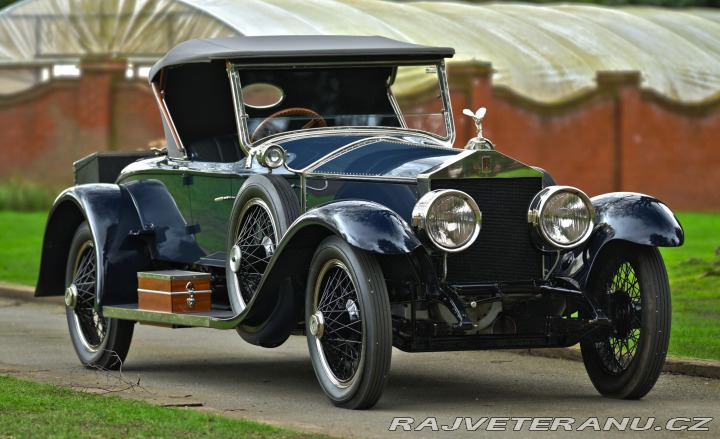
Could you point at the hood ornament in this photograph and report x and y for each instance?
(478, 142)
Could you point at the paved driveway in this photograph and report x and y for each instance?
(217, 371)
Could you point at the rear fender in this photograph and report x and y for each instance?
(110, 214)
(132, 225)
(626, 216)
(277, 306)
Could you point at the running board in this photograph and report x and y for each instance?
(217, 319)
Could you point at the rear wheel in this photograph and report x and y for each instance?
(347, 318)
(631, 284)
(98, 341)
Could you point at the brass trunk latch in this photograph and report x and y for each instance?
(191, 291)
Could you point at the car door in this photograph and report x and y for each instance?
(212, 190)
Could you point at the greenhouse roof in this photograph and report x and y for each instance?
(546, 53)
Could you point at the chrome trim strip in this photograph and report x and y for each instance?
(357, 131)
(173, 275)
(202, 319)
(240, 115)
(173, 293)
(182, 171)
(303, 193)
(393, 101)
(445, 93)
(166, 114)
(359, 177)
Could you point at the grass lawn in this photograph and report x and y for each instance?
(36, 410)
(694, 271)
(21, 235)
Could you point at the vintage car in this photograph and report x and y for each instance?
(310, 187)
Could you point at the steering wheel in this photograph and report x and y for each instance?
(292, 111)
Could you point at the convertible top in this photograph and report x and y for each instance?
(322, 47)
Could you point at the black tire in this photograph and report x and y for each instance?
(264, 208)
(347, 321)
(98, 341)
(631, 285)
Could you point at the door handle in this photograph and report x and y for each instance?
(225, 198)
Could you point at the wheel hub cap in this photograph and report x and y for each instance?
(622, 312)
(71, 295)
(317, 324)
(235, 258)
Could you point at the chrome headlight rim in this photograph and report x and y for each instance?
(537, 211)
(422, 209)
(272, 156)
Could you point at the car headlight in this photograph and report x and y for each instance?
(272, 156)
(450, 219)
(561, 217)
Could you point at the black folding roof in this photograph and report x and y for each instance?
(320, 47)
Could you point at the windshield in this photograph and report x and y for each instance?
(285, 100)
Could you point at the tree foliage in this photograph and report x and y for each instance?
(4, 3)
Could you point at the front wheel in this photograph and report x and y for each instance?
(98, 341)
(347, 318)
(631, 285)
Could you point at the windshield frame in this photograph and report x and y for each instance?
(248, 146)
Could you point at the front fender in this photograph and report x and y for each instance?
(363, 224)
(110, 213)
(277, 306)
(637, 218)
(626, 216)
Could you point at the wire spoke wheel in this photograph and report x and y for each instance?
(90, 325)
(347, 319)
(631, 286)
(625, 306)
(98, 341)
(341, 345)
(264, 208)
(256, 241)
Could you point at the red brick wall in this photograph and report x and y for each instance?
(136, 116)
(617, 137)
(676, 149)
(49, 127)
(40, 133)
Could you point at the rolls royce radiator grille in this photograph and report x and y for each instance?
(503, 251)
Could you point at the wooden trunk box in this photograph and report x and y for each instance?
(174, 291)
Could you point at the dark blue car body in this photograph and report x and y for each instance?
(355, 171)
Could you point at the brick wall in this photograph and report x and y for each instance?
(49, 127)
(615, 138)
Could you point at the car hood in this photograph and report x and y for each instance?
(404, 157)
